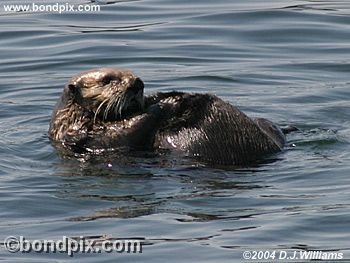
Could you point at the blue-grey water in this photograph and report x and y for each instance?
(285, 60)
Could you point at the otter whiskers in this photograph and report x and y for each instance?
(99, 108)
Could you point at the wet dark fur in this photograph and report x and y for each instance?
(198, 125)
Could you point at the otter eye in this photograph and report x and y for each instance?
(106, 80)
(109, 80)
(115, 81)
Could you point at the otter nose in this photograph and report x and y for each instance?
(137, 85)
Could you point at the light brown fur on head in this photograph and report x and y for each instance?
(98, 95)
(109, 93)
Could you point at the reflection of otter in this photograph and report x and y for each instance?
(104, 109)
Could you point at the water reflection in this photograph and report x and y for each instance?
(132, 191)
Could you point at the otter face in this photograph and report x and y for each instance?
(111, 94)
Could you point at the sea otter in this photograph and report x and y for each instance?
(105, 110)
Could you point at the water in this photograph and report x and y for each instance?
(284, 60)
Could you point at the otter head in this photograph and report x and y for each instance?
(110, 94)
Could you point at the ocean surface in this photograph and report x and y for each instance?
(285, 60)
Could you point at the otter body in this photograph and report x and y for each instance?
(105, 110)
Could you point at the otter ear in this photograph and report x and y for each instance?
(72, 88)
